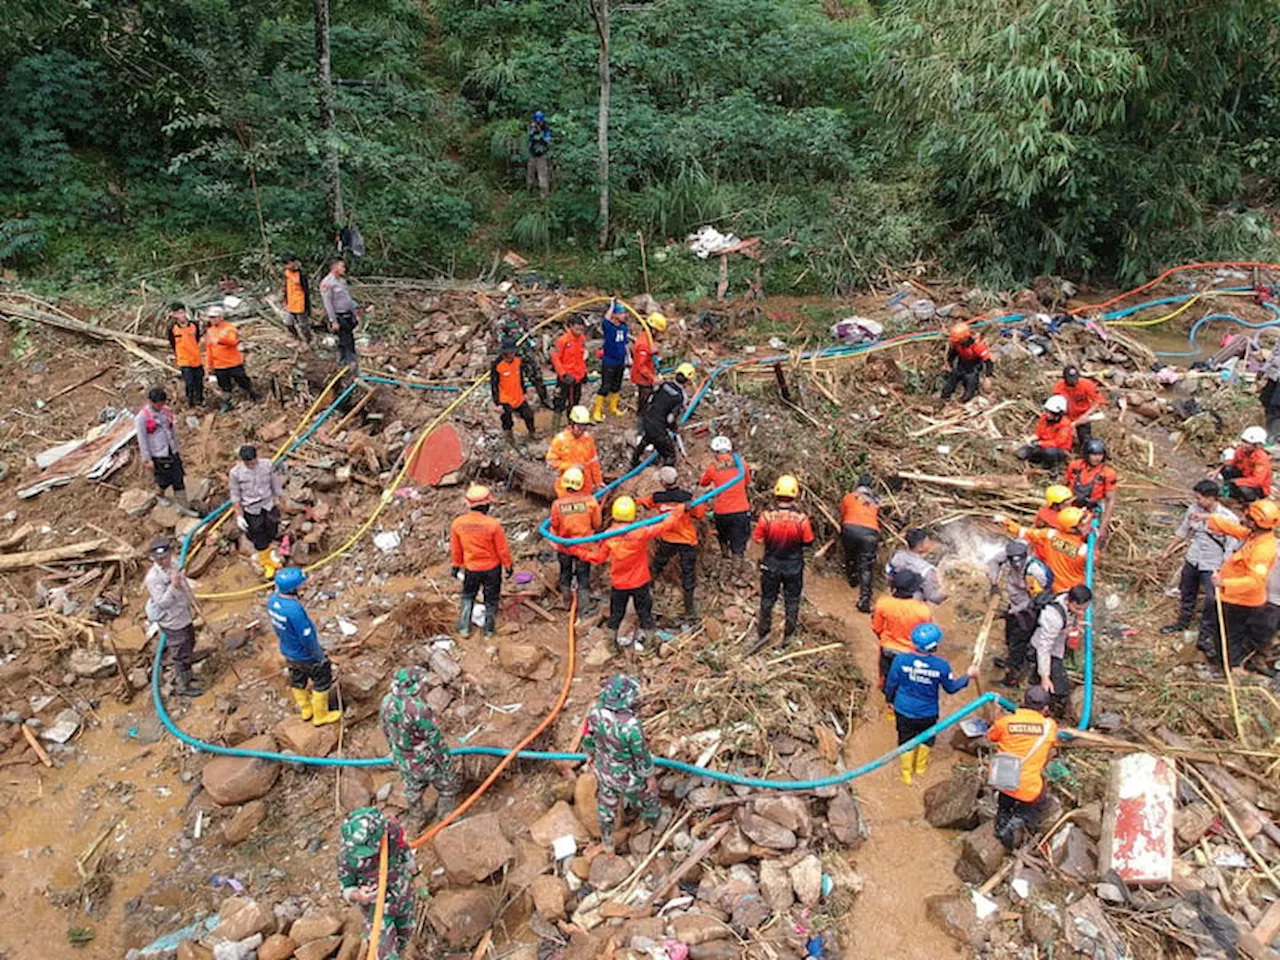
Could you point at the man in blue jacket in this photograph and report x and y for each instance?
(613, 360)
(300, 647)
(913, 687)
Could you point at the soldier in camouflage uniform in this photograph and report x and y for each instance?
(418, 749)
(514, 325)
(358, 875)
(614, 741)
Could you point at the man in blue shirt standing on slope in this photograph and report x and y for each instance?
(300, 646)
(613, 360)
(913, 687)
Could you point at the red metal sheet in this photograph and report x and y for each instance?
(440, 455)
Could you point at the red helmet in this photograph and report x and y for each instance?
(959, 332)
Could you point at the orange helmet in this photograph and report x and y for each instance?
(1069, 518)
(1265, 513)
(959, 332)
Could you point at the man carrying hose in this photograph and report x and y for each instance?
(1029, 736)
(417, 748)
(732, 508)
(358, 859)
(615, 744)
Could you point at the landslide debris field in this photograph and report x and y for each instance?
(116, 835)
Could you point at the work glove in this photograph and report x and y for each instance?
(455, 572)
(242, 523)
(509, 572)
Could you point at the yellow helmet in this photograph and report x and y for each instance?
(478, 495)
(573, 478)
(580, 414)
(657, 321)
(1069, 518)
(787, 486)
(1056, 494)
(624, 510)
(686, 370)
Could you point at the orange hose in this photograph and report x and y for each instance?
(537, 731)
(379, 906)
(1170, 272)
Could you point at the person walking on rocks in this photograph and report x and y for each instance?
(569, 360)
(894, 617)
(300, 647)
(478, 549)
(860, 537)
(184, 340)
(574, 516)
(614, 741)
(255, 495)
(661, 418)
(732, 508)
(157, 435)
(913, 688)
(358, 865)
(225, 359)
(343, 312)
(507, 380)
(169, 607)
(297, 298)
(916, 557)
(1028, 735)
(785, 532)
(417, 747)
(680, 539)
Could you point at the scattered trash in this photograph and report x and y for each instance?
(388, 541)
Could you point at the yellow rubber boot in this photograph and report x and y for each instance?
(320, 712)
(269, 563)
(597, 412)
(922, 759)
(614, 409)
(908, 765)
(303, 699)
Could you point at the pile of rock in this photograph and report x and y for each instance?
(247, 929)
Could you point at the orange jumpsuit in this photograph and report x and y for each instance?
(567, 451)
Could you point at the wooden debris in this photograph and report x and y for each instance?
(18, 561)
(35, 746)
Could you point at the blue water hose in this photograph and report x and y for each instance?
(1086, 706)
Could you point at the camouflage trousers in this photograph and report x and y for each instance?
(418, 771)
(397, 919)
(612, 797)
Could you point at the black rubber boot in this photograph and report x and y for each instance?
(1176, 627)
(184, 686)
(690, 607)
(464, 617)
(490, 622)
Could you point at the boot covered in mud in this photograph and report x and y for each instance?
(320, 712)
(586, 606)
(690, 607)
(607, 840)
(183, 685)
(464, 616)
(510, 437)
(446, 804)
(490, 621)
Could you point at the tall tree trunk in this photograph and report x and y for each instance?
(324, 96)
(600, 13)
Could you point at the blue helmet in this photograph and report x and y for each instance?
(619, 308)
(926, 637)
(289, 579)
(538, 116)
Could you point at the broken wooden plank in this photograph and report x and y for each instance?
(1137, 827)
(15, 538)
(699, 853)
(35, 746)
(18, 561)
(9, 311)
(995, 483)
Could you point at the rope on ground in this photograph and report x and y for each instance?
(380, 904)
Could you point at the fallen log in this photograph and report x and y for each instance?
(18, 561)
(78, 326)
(994, 483)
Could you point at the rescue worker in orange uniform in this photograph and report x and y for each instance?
(1030, 736)
(507, 379)
(629, 577)
(573, 516)
(678, 540)
(1062, 550)
(1055, 436)
(732, 509)
(860, 537)
(644, 359)
(569, 359)
(785, 531)
(970, 359)
(1056, 496)
(575, 447)
(1248, 476)
(1241, 583)
(895, 615)
(184, 338)
(478, 550)
(1093, 483)
(297, 297)
(224, 359)
(1084, 398)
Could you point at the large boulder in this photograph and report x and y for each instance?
(521, 659)
(304, 737)
(980, 855)
(315, 926)
(244, 822)
(473, 849)
(549, 896)
(461, 916)
(231, 781)
(765, 832)
(239, 919)
(786, 810)
(953, 803)
(559, 821)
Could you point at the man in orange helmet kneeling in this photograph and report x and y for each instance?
(970, 360)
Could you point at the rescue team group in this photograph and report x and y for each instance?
(1229, 566)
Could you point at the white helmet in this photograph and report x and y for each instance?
(721, 445)
(1228, 454)
(1256, 435)
(1056, 404)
